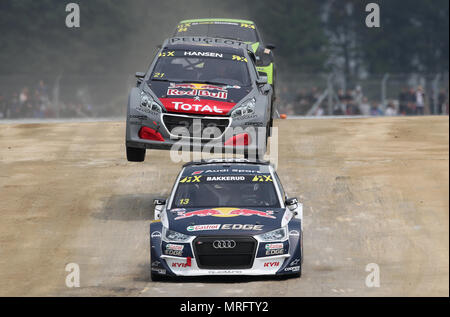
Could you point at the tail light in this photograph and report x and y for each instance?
(150, 134)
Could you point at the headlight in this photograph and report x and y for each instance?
(275, 235)
(170, 235)
(148, 102)
(247, 107)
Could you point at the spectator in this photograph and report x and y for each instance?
(364, 107)
(442, 101)
(420, 101)
(375, 110)
(319, 112)
(403, 101)
(390, 110)
(411, 105)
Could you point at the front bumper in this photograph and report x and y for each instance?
(286, 259)
(195, 141)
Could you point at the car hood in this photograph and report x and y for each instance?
(197, 98)
(225, 221)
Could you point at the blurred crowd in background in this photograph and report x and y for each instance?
(353, 102)
(68, 101)
(36, 102)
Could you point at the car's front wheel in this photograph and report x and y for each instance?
(135, 154)
(157, 277)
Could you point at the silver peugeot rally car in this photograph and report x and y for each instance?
(226, 217)
(199, 92)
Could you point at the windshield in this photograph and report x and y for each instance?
(203, 67)
(237, 31)
(226, 191)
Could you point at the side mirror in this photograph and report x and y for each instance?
(262, 74)
(139, 75)
(262, 80)
(291, 203)
(159, 207)
(270, 46)
(266, 89)
(159, 202)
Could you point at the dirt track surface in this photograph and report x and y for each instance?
(374, 191)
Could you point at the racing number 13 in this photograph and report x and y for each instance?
(184, 201)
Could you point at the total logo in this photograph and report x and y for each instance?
(190, 105)
(196, 108)
(271, 264)
(225, 212)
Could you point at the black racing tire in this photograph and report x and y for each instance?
(299, 273)
(157, 277)
(260, 156)
(135, 154)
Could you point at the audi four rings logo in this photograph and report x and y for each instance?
(224, 244)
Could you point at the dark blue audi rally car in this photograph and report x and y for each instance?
(226, 217)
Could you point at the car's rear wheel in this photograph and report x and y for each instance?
(135, 154)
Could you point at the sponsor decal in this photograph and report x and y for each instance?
(203, 54)
(239, 58)
(189, 179)
(198, 93)
(273, 246)
(271, 264)
(159, 271)
(225, 227)
(182, 264)
(254, 124)
(137, 117)
(173, 252)
(225, 272)
(225, 212)
(295, 262)
(275, 252)
(241, 227)
(224, 178)
(156, 234)
(202, 227)
(294, 233)
(197, 172)
(292, 269)
(206, 106)
(262, 178)
(248, 26)
(167, 54)
(177, 247)
(199, 86)
(155, 263)
(206, 40)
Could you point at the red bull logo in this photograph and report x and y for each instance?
(225, 212)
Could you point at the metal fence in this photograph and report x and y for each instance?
(68, 95)
(332, 94)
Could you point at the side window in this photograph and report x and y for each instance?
(277, 179)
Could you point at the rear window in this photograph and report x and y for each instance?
(226, 191)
